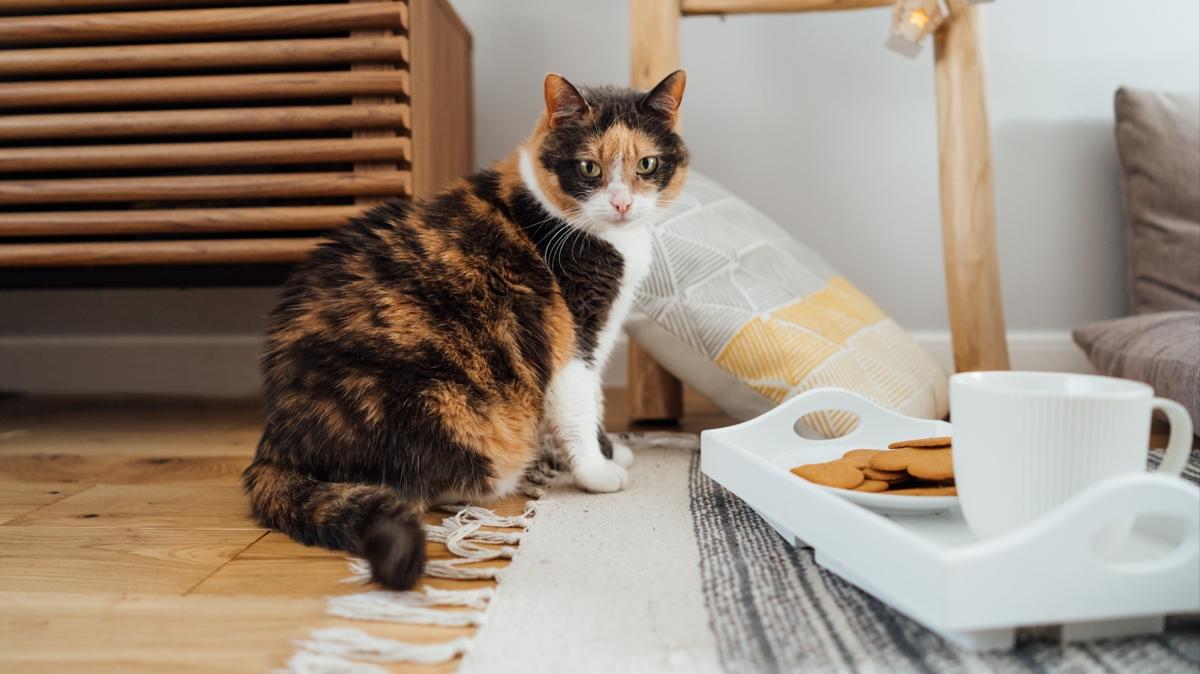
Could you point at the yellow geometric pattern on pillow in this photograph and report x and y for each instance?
(778, 351)
(844, 297)
(775, 354)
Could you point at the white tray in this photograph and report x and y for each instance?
(933, 569)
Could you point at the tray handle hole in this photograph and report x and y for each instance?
(1142, 543)
(826, 424)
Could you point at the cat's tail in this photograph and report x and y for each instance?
(370, 520)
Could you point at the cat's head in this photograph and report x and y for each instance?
(607, 157)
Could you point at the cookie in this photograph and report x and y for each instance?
(859, 457)
(889, 476)
(922, 443)
(874, 486)
(933, 464)
(838, 473)
(895, 460)
(925, 491)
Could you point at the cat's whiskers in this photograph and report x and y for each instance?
(555, 243)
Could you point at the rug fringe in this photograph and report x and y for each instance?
(306, 662)
(440, 533)
(465, 514)
(667, 439)
(412, 607)
(336, 650)
(337, 645)
(360, 571)
(453, 569)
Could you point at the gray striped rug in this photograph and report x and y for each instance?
(773, 609)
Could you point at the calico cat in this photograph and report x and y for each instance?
(419, 355)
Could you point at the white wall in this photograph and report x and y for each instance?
(813, 121)
(806, 116)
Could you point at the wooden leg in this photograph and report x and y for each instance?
(654, 40)
(655, 395)
(967, 200)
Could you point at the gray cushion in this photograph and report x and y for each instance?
(1160, 349)
(1158, 139)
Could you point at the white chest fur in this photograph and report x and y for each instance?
(633, 243)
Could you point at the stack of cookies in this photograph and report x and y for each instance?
(921, 467)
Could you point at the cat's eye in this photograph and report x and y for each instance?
(647, 165)
(589, 168)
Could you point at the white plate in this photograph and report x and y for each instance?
(882, 503)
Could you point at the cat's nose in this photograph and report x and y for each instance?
(621, 203)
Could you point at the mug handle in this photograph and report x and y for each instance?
(1179, 446)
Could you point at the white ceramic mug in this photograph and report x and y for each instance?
(1025, 442)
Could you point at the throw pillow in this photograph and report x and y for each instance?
(745, 314)
(1162, 350)
(1158, 140)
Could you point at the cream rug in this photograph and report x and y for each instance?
(676, 577)
(605, 583)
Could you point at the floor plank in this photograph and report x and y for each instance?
(88, 560)
(18, 499)
(147, 507)
(55, 633)
(89, 467)
(143, 444)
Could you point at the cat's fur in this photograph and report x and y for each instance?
(419, 354)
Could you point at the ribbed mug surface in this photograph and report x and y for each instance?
(1025, 442)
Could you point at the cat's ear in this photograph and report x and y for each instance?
(563, 100)
(665, 97)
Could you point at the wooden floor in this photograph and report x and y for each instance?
(125, 544)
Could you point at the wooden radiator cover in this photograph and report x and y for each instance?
(152, 132)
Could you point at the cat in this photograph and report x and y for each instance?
(423, 353)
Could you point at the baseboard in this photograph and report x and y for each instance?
(221, 366)
(1038, 350)
(227, 365)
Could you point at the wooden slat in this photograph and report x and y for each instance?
(225, 120)
(110, 253)
(171, 188)
(693, 7)
(202, 88)
(366, 134)
(27, 62)
(236, 153)
(181, 221)
(123, 26)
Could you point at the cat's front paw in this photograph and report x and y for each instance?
(622, 455)
(602, 476)
(533, 490)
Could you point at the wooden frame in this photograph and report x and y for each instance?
(964, 170)
(139, 132)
